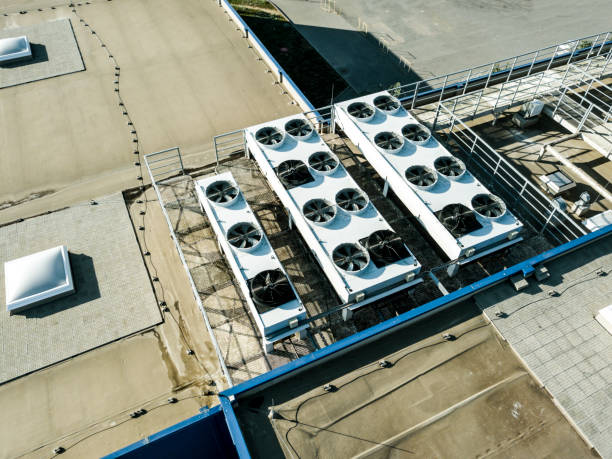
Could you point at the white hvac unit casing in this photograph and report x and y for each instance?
(460, 214)
(334, 216)
(269, 293)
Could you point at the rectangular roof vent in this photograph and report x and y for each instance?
(37, 278)
(14, 48)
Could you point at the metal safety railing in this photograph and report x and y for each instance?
(172, 160)
(531, 204)
(481, 77)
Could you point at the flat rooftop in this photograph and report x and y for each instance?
(551, 325)
(465, 398)
(183, 74)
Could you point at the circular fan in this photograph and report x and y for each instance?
(299, 128)
(351, 258)
(244, 236)
(270, 137)
(319, 211)
(450, 167)
(489, 206)
(386, 247)
(351, 200)
(388, 142)
(387, 104)
(421, 177)
(361, 111)
(293, 173)
(222, 192)
(323, 162)
(416, 133)
(458, 219)
(270, 289)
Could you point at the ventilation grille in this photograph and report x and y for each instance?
(351, 258)
(270, 289)
(351, 200)
(270, 137)
(361, 111)
(450, 167)
(299, 129)
(323, 162)
(222, 192)
(416, 133)
(488, 206)
(387, 104)
(385, 247)
(388, 142)
(293, 173)
(421, 177)
(319, 211)
(244, 236)
(458, 219)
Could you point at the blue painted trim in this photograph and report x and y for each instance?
(461, 294)
(234, 428)
(280, 70)
(163, 433)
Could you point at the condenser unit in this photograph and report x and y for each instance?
(269, 293)
(464, 218)
(360, 254)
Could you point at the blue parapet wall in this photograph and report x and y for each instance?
(204, 435)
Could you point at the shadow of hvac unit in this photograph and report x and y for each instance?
(358, 251)
(458, 211)
(270, 295)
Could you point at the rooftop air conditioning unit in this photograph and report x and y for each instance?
(269, 293)
(459, 213)
(357, 249)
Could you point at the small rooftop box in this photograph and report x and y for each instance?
(37, 278)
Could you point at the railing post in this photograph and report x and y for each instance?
(559, 101)
(443, 88)
(435, 122)
(477, 104)
(533, 62)
(552, 57)
(516, 91)
(573, 51)
(512, 68)
(467, 81)
(489, 77)
(603, 43)
(414, 96)
(552, 212)
(584, 118)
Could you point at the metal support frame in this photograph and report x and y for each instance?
(194, 289)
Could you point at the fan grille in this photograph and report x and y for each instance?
(421, 176)
(351, 200)
(269, 136)
(387, 103)
(350, 258)
(319, 211)
(324, 162)
(244, 236)
(361, 111)
(458, 219)
(293, 173)
(416, 133)
(298, 128)
(449, 166)
(270, 289)
(388, 141)
(221, 192)
(488, 205)
(385, 247)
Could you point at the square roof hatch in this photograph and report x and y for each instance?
(37, 278)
